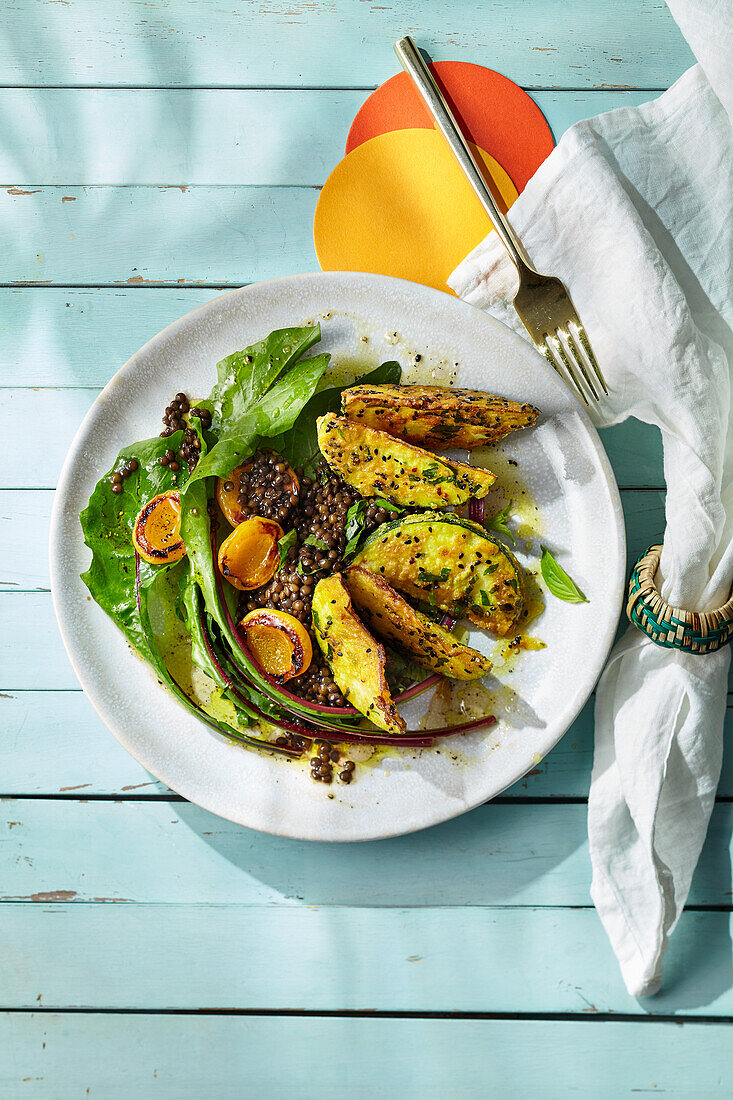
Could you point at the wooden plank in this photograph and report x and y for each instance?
(23, 411)
(146, 235)
(572, 42)
(235, 1057)
(160, 852)
(71, 337)
(271, 137)
(54, 742)
(460, 959)
(634, 449)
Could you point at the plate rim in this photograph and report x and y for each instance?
(118, 730)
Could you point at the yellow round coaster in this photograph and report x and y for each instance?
(399, 205)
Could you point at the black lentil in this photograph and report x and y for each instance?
(267, 487)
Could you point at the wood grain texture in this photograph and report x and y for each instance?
(226, 235)
(570, 43)
(258, 137)
(330, 959)
(224, 200)
(154, 852)
(49, 1055)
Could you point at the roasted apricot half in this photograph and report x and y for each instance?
(249, 556)
(266, 468)
(157, 530)
(279, 643)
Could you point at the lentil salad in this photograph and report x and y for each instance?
(267, 525)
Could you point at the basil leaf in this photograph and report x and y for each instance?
(499, 522)
(355, 518)
(558, 581)
(286, 543)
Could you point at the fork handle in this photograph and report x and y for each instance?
(444, 118)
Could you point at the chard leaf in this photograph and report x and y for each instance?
(557, 580)
(245, 404)
(245, 376)
(107, 523)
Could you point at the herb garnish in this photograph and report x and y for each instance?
(431, 474)
(425, 577)
(356, 520)
(499, 522)
(286, 543)
(558, 581)
(313, 540)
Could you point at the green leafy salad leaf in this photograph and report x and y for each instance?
(300, 445)
(108, 521)
(246, 403)
(558, 581)
(265, 391)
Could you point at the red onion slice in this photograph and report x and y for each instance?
(476, 510)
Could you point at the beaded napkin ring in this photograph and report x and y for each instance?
(671, 627)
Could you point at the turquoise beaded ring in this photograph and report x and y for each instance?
(671, 627)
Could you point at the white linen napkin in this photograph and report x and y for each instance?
(633, 211)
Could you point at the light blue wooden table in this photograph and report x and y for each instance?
(152, 154)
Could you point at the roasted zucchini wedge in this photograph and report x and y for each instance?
(452, 562)
(436, 415)
(430, 644)
(377, 464)
(354, 657)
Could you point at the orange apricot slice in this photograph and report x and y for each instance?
(249, 556)
(279, 643)
(157, 530)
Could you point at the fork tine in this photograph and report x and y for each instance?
(577, 357)
(545, 350)
(559, 352)
(585, 343)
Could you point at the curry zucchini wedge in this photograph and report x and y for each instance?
(452, 562)
(391, 616)
(436, 415)
(355, 658)
(377, 464)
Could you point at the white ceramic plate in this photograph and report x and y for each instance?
(561, 462)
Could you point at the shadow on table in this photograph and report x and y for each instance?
(501, 854)
(698, 968)
(498, 854)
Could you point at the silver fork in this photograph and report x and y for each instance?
(542, 301)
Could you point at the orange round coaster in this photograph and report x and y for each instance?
(399, 205)
(495, 114)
